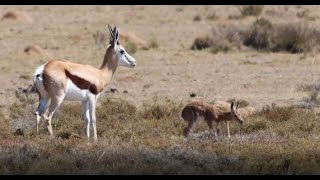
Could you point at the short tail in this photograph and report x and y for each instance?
(38, 80)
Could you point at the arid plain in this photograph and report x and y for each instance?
(139, 125)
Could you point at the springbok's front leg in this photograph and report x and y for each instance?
(86, 116)
(217, 129)
(92, 111)
(210, 124)
(188, 129)
(228, 128)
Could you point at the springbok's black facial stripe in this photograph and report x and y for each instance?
(128, 59)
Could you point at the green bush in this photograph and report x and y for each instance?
(201, 43)
(251, 10)
(259, 35)
(290, 37)
(295, 38)
(222, 38)
(220, 48)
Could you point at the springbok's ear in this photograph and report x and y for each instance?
(232, 103)
(238, 103)
(111, 32)
(116, 33)
(111, 35)
(115, 36)
(110, 29)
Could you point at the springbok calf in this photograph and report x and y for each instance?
(193, 112)
(57, 80)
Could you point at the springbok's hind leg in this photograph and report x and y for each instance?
(54, 105)
(191, 123)
(43, 102)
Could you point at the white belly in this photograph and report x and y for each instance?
(74, 93)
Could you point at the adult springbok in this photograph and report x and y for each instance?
(58, 80)
(194, 111)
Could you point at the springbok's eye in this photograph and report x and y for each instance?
(122, 51)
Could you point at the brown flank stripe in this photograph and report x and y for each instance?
(82, 83)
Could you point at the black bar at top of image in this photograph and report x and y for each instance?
(157, 2)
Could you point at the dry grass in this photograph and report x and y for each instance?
(150, 141)
(312, 90)
(223, 38)
(260, 34)
(291, 37)
(242, 103)
(153, 43)
(213, 16)
(263, 35)
(297, 38)
(201, 43)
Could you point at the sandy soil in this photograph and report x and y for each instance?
(170, 71)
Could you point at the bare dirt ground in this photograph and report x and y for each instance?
(171, 70)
